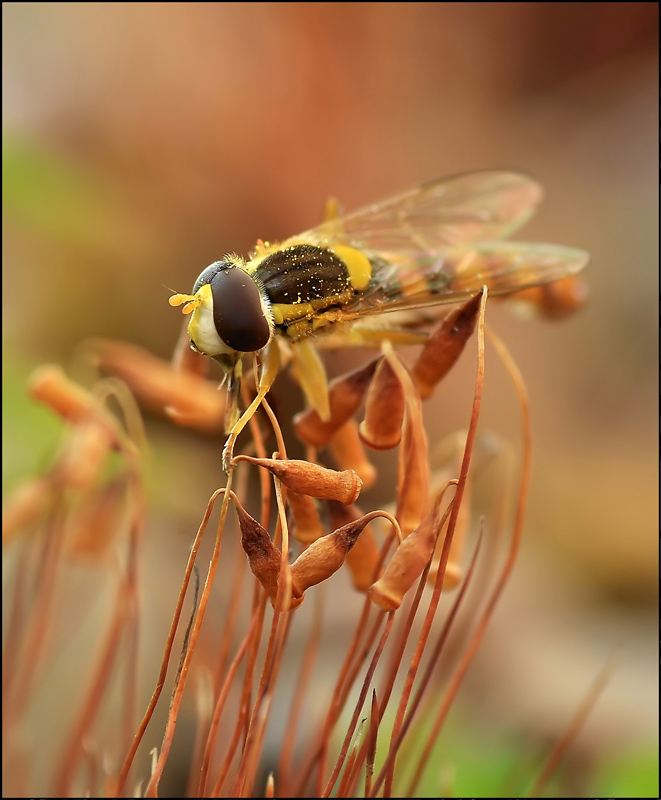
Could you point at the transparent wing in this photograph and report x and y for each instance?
(439, 243)
(460, 271)
(464, 208)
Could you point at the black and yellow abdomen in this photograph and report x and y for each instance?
(302, 280)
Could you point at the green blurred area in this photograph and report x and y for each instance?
(471, 762)
(633, 773)
(30, 432)
(53, 199)
(54, 196)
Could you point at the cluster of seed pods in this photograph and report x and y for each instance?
(376, 407)
(317, 497)
(78, 476)
(391, 396)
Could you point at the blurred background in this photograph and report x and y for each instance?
(142, 141)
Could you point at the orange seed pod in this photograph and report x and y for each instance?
(84, 455)
(349, 453)
(97, 429)
(363, 557)
(408, 561)
(413, 481)
(95, 524)
(451, 451)
(453, 570)
(345, 396)
(263, 556)
(24, 506)
(325, 556)
(305, 477)
(384, 410)
(445, 345)
(555, 300)
(49, 385)
(180, 394)
(307, 525)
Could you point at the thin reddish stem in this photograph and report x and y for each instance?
(177, 696)
(128, 761)
(510, 560)
(289, 735)
(359, 704)
(573, 729)
(220, 705)
(272, 660)
(346, 677)
(431, 666)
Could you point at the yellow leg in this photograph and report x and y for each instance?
(369, 336)
(311, 375)
(397, 336)
(270, 368)
(333, 209)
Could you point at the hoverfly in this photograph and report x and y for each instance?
(437, 243)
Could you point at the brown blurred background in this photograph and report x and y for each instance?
(143, 141)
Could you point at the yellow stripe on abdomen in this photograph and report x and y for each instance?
(357, 264)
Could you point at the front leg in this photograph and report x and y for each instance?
(334, 331)
(270, 369)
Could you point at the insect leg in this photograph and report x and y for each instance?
(370, 336)
(311, 374)
(270, 369)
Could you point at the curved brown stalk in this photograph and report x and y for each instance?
(128, 761)
(510, 560)
(573, 729)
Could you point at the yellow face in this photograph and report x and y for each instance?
(201, 327)
(230, 314)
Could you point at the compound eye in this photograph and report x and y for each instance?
(238, 314)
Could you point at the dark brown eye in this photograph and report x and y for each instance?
(237, 310)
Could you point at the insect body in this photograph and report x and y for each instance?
(238, 306)
(437, 243)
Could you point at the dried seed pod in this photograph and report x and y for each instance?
(555, 300)
(451, 451)
(49, 385)
(345, 396)
(263, 557)
(325, 556)
(413, 480)
(96, 430)
(349, 453)
(445, 345)
(453, 570)
(307, 525)
(95, 524)
(305, 477)
(84, 456)
(180, 394)
(454, 573)
(408, 561)
(384, 410)
(363, 557)
(24, 506)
